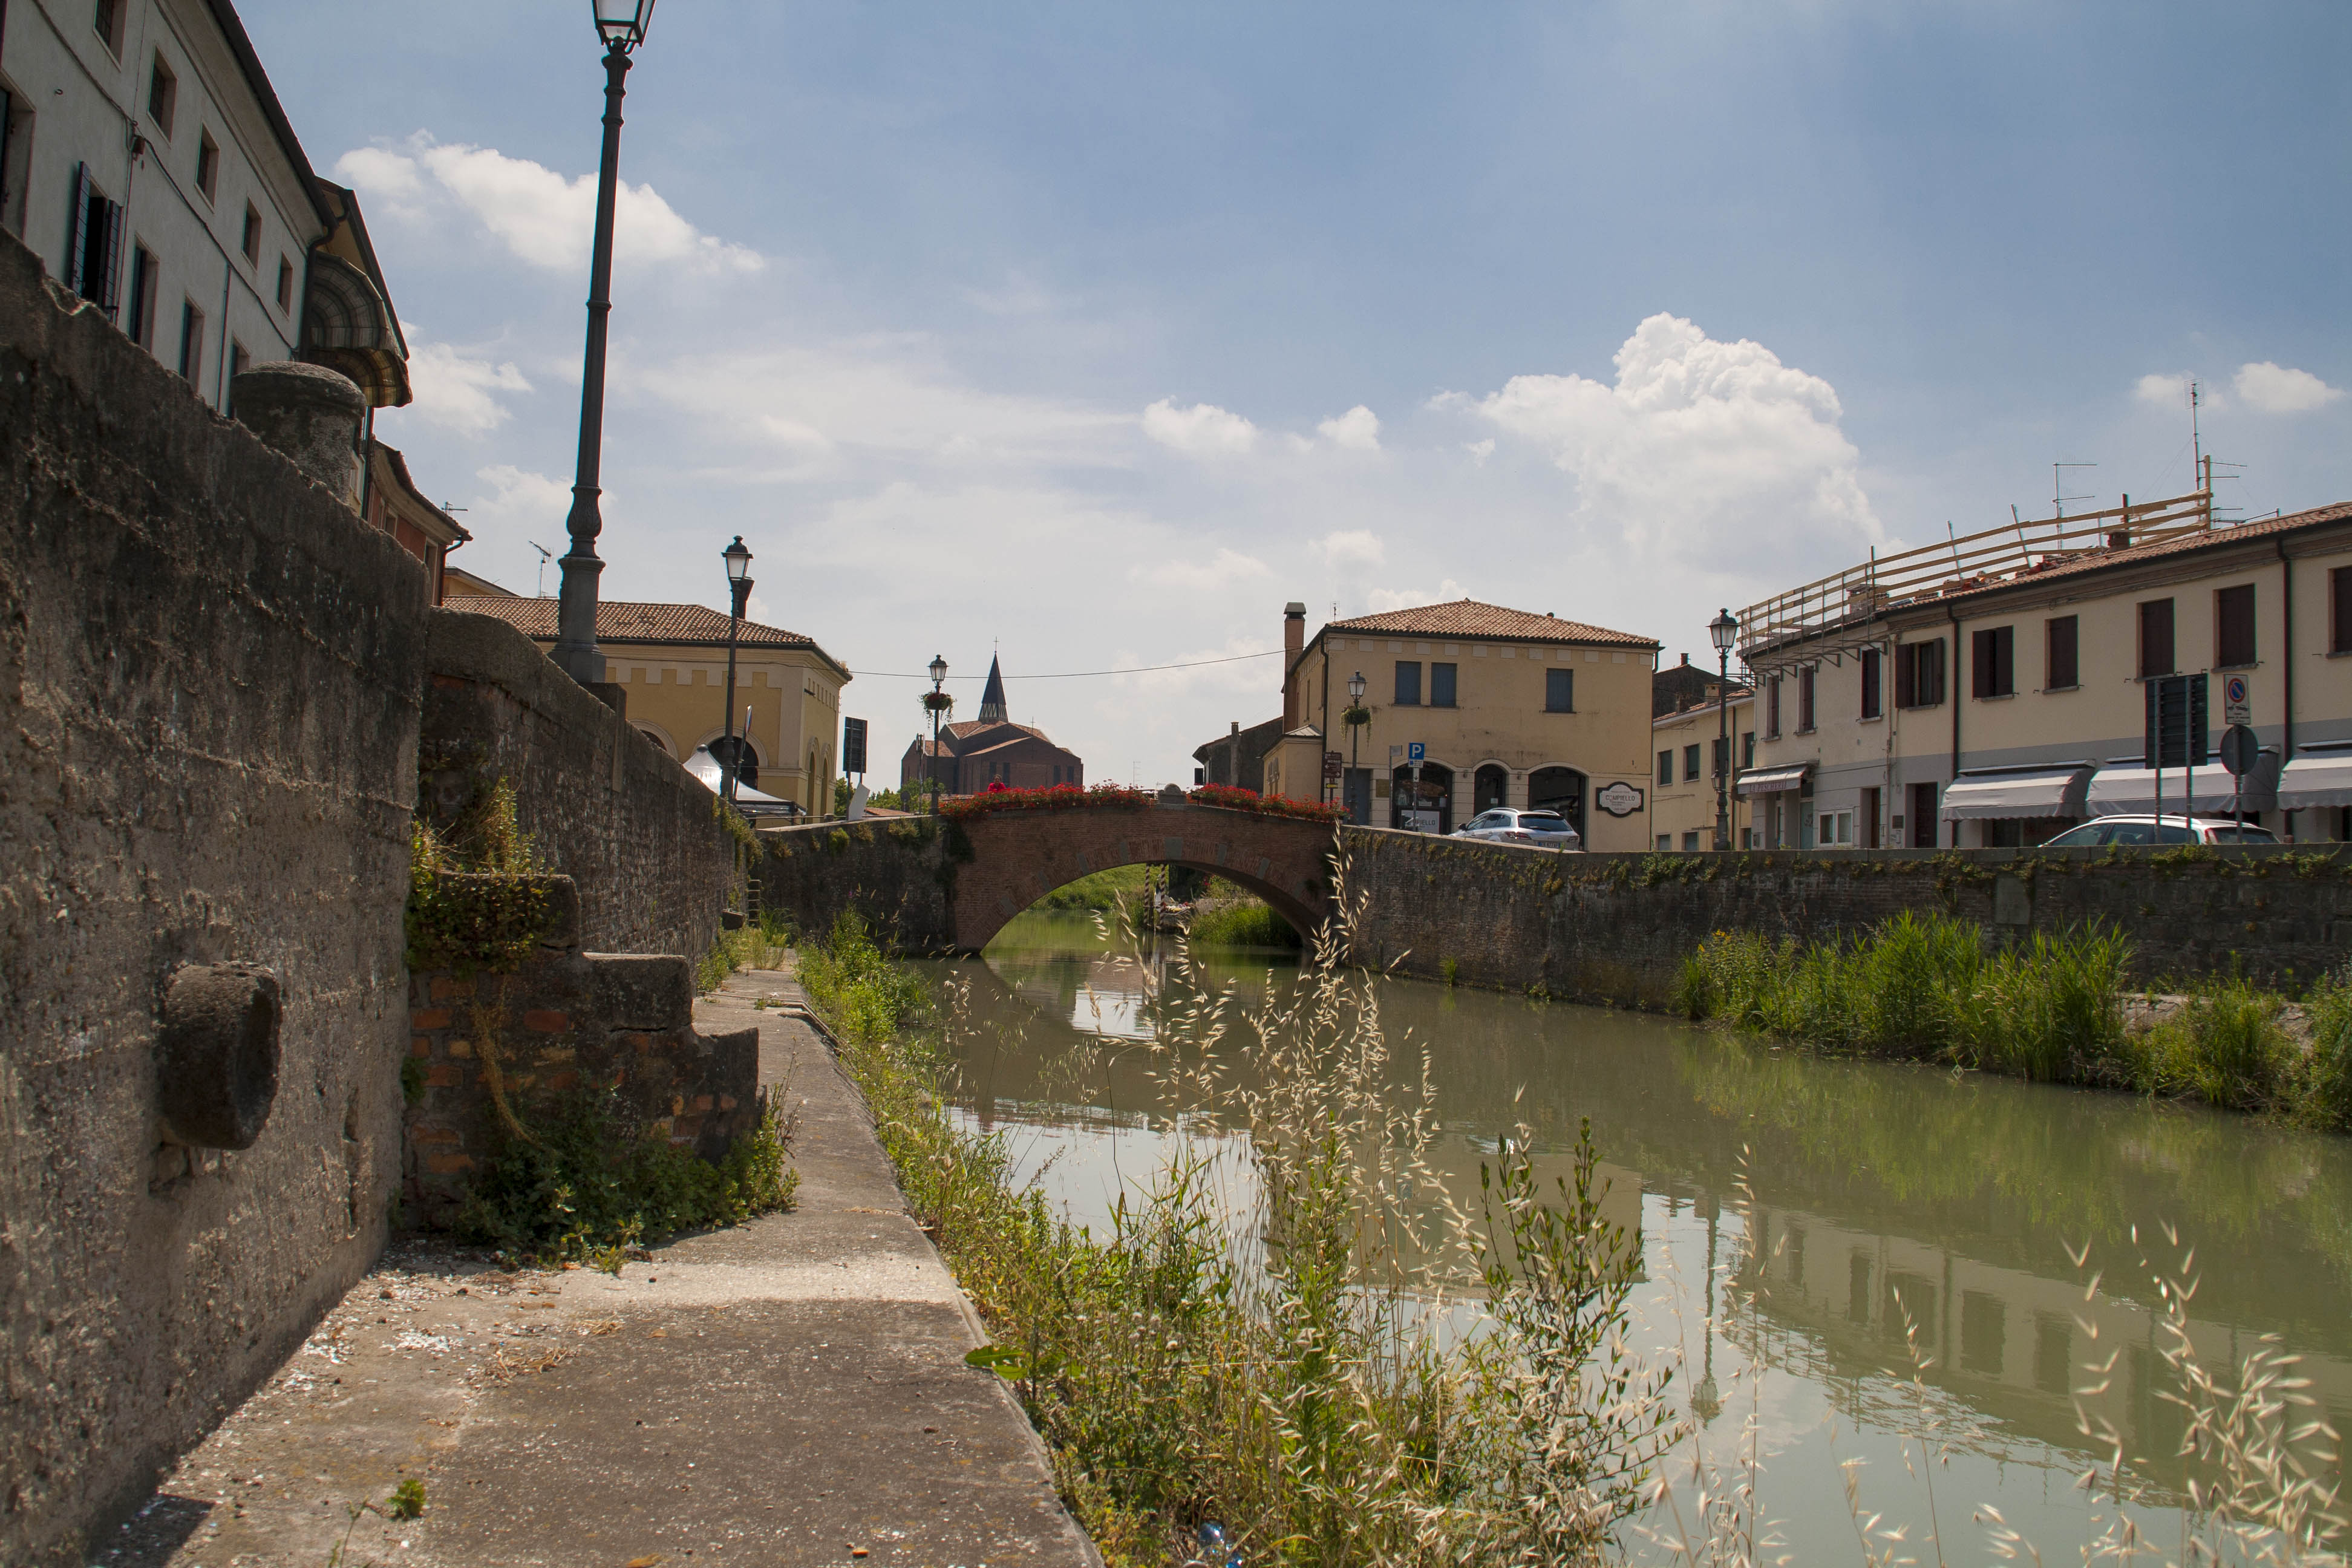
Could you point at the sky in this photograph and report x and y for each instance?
(1088, 336)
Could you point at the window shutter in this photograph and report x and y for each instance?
(78, 245)
(109, 283)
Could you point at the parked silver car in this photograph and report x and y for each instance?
(1507, 824)
(2128, 829)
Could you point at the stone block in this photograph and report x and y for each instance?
(642, 991)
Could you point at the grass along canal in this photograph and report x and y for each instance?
(1859, 1273)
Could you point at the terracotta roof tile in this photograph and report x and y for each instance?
(1469, 618)
(622, 621)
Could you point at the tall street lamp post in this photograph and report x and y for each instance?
(622, 24)
(1725, 630)
(1358, 716)
(738, 563)
(938, 702)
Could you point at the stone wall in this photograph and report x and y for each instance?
(1615, 928)
(896, 872)
(209, 695)
(636, 833)
(563, 1019)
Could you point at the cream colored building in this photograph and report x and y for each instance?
(1687, 750)
(1510, 708)
(1990, 692)
(671, 661)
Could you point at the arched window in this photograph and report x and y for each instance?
(659, 744)
(1560, 790)
(745, 755)
(1488, 789)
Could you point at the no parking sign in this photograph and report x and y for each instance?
(2237, 700)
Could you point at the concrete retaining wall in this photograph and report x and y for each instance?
(209, 695)
(1615, 928)
(636, 833)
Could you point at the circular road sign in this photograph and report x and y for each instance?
(2239, 749)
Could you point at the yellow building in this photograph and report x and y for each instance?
(1990, 691)
(1689, 750)
(1508, 708)
(671, 662)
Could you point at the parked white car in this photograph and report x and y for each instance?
(2127, 830)
(1505, 824)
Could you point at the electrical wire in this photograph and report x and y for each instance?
(1072, 674)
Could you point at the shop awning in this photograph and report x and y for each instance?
(2053, 791)
(1773, 781)
(2121, 791)
(2316, 778)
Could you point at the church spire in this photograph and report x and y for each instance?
(991, 699)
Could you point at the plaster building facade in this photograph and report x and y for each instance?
(145, 158)
(671, 662)
(1991, 703)
(973, 753)
(1510, 708)
(1689, 752)
(393, 503)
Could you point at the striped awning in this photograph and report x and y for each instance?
(1773, 781)
(1998, 793)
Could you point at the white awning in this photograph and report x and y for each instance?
(2120, 791)
(749, 801)
(2316, 778)
(2054, 791)
(1773, 781)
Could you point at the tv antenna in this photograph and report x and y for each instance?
(2205, 465)
(2058, 496)
(545, 555)
(2196, 440)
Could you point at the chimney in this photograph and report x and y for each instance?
(1294, 640)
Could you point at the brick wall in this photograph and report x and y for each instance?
(1616, 927)
(564, 1020)
(634, 830)
(209, 675)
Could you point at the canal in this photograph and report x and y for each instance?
(1811, 1207)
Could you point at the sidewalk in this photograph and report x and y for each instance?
(790, 1391)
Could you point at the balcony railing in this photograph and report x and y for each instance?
(2009, 553)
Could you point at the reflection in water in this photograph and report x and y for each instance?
(1891, 1206)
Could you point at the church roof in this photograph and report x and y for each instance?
(992, 697)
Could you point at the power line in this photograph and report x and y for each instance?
(1072, 674)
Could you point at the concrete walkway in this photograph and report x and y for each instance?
(790, 1391)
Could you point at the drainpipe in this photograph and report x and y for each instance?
(2286, 666)
(1953, 683)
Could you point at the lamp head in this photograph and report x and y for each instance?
(938, 668)
(1355, 686)
(738, 558)
(621, 23)
(1725, 630)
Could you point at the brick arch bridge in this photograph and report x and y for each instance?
(937, 886)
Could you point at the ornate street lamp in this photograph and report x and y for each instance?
(1357, 716)
(738, 583)
(937, 702)
(1725, 630)
(622, 24)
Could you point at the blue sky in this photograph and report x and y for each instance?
(1100, 334)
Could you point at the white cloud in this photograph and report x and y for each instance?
(2168, 391)
(1480, 450)
(521, 503)
(1413, 598)
(537, 214)
(1357, 430)
(2274, 389)
(458, 391)
(1701, 453)
(1203, 430)
(1352, 549)
(1223, 570)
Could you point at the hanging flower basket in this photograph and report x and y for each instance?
(1355, 716)
(938, 702)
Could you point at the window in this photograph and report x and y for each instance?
(16, 155)
(207, 164)
(1870, 700)
(141, 323)
(284, 283)
(2156, 638)
(1805, 699)
(1746, 749)
(1992, 662)
(2234, 626)
(1690, 764)
(94, 263)
(1441, 686)
(1666, 841)
(1560, 691)
(107, 19)
(239, 361)
(163, 96)
(1837, 827)
(251, 242)
(2064, 669)
(1772, 709)
(1923, 816)
(1408, 683)
(1665, 767)
(1690, 841)
(2339, 605)
(1919, 674)
(191, 343)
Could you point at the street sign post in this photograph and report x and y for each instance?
(1414, 752)
(2240, 751)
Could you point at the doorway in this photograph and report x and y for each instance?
(1489, 787)
(1923, 816)
(1867, 837)
(1560, 790)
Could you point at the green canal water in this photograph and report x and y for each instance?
(1876, 1193)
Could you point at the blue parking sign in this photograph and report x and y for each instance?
(1415, 751)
